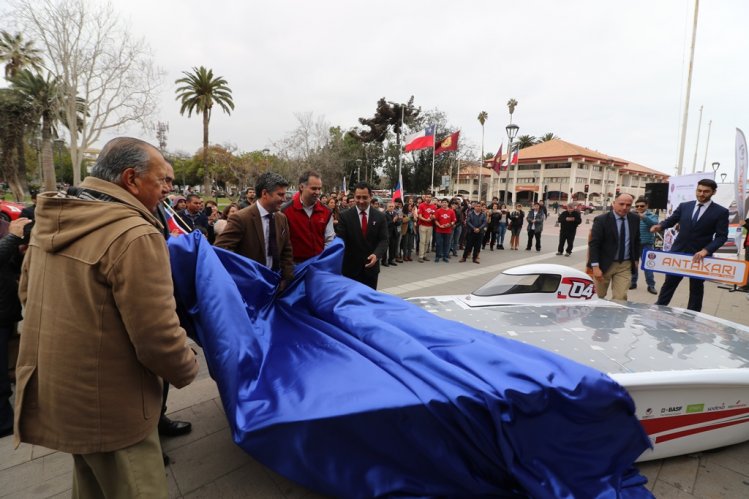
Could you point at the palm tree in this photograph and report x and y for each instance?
(17, 54)
(547, 137)
(525, 141)
(483, 116)
(199, 92)
(44, 95)
(511, 105)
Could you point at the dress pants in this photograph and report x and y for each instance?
(568, 238)
(473, 243)
(619, 275)
(6, 410)
(696, 291)
(135, 471)
(537, 236)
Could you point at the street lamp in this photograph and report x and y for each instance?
(512, 131)
(715, 166)
(723, 178)
(358, 170)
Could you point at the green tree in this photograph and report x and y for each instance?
(199, 91)
(524, 141)
(547, 137)
(16, 118)
(45, 99)
(18, 54)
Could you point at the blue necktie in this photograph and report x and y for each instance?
(696, 215)
(622, 237)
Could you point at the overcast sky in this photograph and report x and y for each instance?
(608, 75)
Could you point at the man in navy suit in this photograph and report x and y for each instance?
(703, 228)
(614, 248)
(364, 230)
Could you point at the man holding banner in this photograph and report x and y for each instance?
(703, 228)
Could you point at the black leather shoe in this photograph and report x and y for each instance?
(169, 428)
(166, 459)
(633, 286)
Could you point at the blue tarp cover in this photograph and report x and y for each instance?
(356, 393)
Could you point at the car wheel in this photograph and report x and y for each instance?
(5, 216)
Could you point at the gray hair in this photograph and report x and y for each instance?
(269, 181)
(120, 154)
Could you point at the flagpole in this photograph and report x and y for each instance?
(433, 147)
(457, 176)
(400, 152)
(173, 212)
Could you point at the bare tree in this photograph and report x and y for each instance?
(97, 60)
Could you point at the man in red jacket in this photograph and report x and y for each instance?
(310, 222)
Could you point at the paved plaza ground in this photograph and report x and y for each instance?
(206, 463)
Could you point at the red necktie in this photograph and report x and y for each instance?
(364, 223)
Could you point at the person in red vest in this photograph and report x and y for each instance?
(310, 222)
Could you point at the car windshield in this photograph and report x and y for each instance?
(506, 284)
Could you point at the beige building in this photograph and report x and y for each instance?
(558, 171)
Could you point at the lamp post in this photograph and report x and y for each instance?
(723, 178)
(358, 170)
(512, 131)
(715, 166)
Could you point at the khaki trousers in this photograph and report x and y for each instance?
(425, 239)
(136, 471)
(620, 276)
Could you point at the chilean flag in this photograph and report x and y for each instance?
(174, 227)
(421, 140)
(511, 160)
(398, 191)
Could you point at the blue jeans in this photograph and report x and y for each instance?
(649, 275)
(501, 229)
(456, 239)
(443, 245)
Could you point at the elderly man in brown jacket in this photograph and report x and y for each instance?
(100, 330)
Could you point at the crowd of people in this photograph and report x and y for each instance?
(417, 226)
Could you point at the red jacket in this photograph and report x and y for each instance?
(307, 232)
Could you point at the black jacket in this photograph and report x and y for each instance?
(358, 248)
(604, 240)
(10, 270)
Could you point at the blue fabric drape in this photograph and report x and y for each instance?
(355, 393)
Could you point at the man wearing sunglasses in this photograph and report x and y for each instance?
(647, 220)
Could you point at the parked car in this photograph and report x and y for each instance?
(10, 211)
(586, 208)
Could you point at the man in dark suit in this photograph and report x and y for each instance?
(614, 247)
(249, 232)
(364, 230)
(703, 228)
